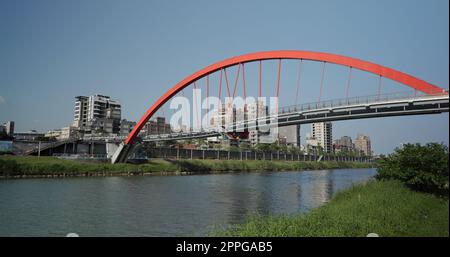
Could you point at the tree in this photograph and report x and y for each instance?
(266, 147)
(423, 168)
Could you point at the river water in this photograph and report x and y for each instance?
(161, 205)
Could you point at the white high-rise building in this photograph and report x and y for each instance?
(321, 135)
(261, 135)
(96, 110)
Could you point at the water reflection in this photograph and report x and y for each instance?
(161, 206)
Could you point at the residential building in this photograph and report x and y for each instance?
(290, 135)
(260, 135)
(97, 111)
(100, 126)
(321, 136)
(126, 127)
(343, 144)
(156, 126)
(7, 128)
(363, 144)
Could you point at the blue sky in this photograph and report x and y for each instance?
(51, 51)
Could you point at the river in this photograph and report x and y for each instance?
(161, 205)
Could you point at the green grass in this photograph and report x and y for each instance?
(387, 208)
(17, 166)
(34, 166)
(258, 165)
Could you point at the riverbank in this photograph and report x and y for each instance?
(34, 167)
(386, 208)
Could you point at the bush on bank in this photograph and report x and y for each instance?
(421, 167)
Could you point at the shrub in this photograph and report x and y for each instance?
(8, 167)
(421, 167)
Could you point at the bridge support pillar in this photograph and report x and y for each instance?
(121, 153)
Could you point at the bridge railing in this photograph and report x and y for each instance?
(328, 104)
(81, 156)
(356, 101)
(217, 154)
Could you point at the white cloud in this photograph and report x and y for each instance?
(2, 100)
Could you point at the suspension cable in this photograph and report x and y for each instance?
(348, 83)
(321, 81)
(298, 80)
(260, 78)
(207, 100)
(226, 81)
(236, 80)
(379, 88)
(278, 82)
(195, 104)
(243, 81)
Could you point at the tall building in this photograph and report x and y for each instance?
(290, 134)
(363, 144)
(343, 144)
(7, 128)
(224, 116)
(321, 135)
(80, 111)
(97, 113)
(261, 135)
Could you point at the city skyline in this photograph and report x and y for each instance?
(47, 63)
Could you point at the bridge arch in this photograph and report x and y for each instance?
(382, 71)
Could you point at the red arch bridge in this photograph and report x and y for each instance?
(424, 98)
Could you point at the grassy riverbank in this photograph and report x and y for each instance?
(387, 208)
(32, 166)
